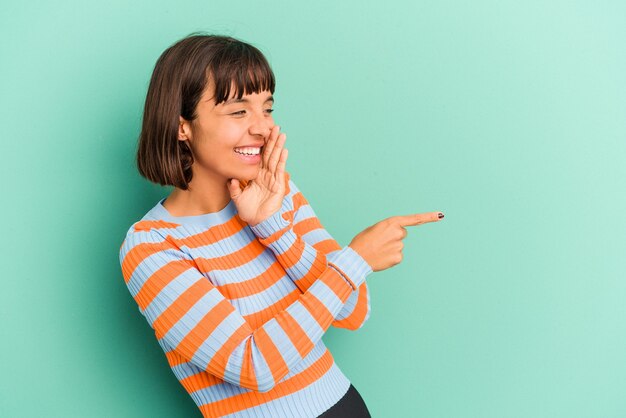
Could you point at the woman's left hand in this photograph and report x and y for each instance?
(263, 196)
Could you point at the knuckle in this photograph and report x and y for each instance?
(387, 222)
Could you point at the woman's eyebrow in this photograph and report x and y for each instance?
(242, 100)
(235, 100)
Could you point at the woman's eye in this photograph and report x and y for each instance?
(244, 112)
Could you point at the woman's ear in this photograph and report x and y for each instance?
(184, 129)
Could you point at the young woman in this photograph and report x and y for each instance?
(233, 270)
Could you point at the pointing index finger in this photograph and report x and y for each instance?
(419, 218)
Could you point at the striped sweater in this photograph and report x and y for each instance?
(240, 310)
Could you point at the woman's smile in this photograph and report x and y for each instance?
(249, 155)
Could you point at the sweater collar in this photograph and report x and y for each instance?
(207, 219)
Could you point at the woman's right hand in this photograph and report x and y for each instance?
(264, 194)
(381, 244)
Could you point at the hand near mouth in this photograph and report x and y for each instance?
(263, 196)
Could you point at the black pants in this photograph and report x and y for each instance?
(350, 406)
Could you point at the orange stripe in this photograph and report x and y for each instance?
(326, 246)
(213, 234)
(318, 310)
(357, 317)
(158, 280)
(287, 177)
(293, 255)
(148, 225)
(201, 331)
(296, 334)
(272, 355)
(299, 200)
(247, 378)
(316, 269)
(218, 362)
(255, 284)
(288, 216)
(337, 284)
(287, 387)
(257, 319)
(137, 254)
(199, 381)
(174, 358)
(307, 225)
(180, 306)
(231, 260)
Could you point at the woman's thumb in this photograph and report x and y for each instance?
(233, 188)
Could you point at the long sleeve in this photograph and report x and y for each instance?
(308, 249)
(189, 314)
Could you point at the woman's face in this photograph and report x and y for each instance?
(219, 133)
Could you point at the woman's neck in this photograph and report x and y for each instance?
(200, 198)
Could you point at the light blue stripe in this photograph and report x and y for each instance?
(233, 366)
(282, 341)
(216, 393)
(318, 351)
(232, 243)
(143, 237)
(226, 389)
(245, 272)
(304, 212)
(306, 320)
(303, 266)
(315, 236)
(326, 295)
(252, 304)
(184, 370)
(170, 293)
(261, 368)
(149, 266)
(227, 327)
(255, 267)
(351, 264)
(285, 242)
(191, 318)
(349, 306)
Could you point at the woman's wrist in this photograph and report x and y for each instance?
(269, 226)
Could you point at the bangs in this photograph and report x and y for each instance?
(238, 70)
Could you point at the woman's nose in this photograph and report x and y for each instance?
(262, 126)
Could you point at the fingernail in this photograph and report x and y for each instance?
(440, 215)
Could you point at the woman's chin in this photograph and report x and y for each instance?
(255, 173)
(246, 177)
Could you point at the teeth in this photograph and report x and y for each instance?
(248, 150)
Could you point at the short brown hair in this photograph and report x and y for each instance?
(179, 78)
